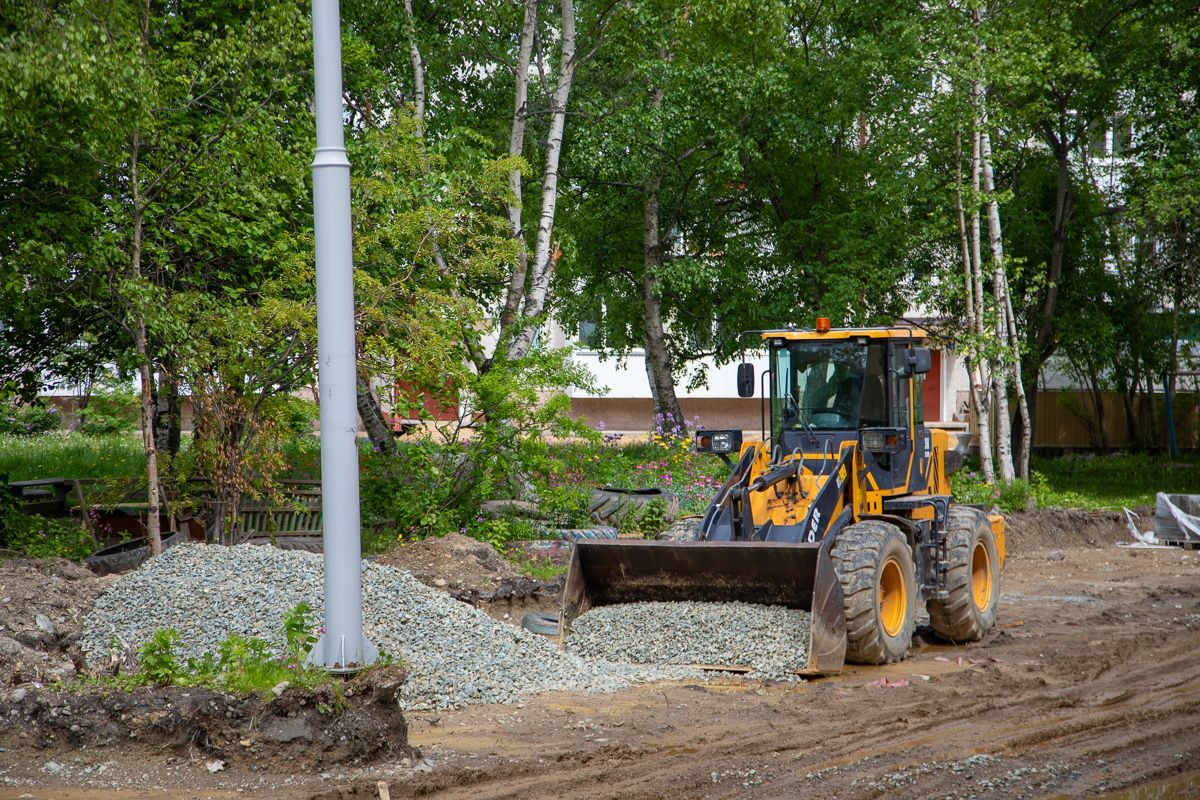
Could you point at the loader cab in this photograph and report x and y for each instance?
(866, 389)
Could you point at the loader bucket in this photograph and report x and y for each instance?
(604, 572)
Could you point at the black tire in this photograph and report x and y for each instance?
(685, 530)
(540, 623)
(577, 534)
(972, 578)
(610, 506)
(128, 556)
(874, 565)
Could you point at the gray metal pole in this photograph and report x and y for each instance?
(342, 646)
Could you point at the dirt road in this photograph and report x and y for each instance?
(1089, 685)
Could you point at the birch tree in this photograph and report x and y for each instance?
(974, 313)
(516, 149)
(544, 252)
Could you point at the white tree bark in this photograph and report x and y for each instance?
(418, 66)
(974, 374)
(145, 370)
(1004, 458)
(544, 261)
(516, 147)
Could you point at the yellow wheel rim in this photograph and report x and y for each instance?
(981, 577)
(893, 597)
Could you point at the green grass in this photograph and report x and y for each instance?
(71, 455)
(1094, 482)
(537, 568)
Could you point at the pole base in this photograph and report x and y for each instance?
(344, 663)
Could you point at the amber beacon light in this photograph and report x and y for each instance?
(823, 325)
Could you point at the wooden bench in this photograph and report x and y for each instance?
(296, 519)
(42, 496)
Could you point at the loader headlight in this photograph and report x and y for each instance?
(882, 440)
(718, 441)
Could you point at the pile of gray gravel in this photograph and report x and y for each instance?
(455, 654)
(770, 640)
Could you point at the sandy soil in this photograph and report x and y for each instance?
(1090, 684)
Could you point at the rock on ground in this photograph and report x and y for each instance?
(454, 653)
(771, 640)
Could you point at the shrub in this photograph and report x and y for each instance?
(242, 663)
(157, 656)
(28, 420)
(294, 414)
(109, 411)
(35, 536)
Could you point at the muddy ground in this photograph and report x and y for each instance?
(1090, 684)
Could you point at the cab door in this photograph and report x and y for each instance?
(908, 468)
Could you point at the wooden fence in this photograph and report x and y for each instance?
(1068, 419)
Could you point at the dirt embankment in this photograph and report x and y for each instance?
(297, 729)
(1059, 528)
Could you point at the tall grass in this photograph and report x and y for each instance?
(1095, 482)
(71, 455)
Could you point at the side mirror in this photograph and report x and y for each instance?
(918, 361)
(745, 379)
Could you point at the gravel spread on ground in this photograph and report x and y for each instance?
(771, 640)
(455, 654)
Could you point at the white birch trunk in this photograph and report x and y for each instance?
(975, 379)
(146, 373)
(981, 332)
(995, 240)
(516, 147)
(414, 54)
(543, 263)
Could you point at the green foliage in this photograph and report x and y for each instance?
(295, 415)
(1090, 482)
(412, 490)
(497, 532)
(537, 568)
(242, 664)
(157, 657)
(648, 520)
(110, 410)
(298, 632)
(564, 501)
(27, 419)
(35, 536)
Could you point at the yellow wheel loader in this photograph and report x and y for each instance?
(843, 509)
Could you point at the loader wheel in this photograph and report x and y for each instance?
(874, 565)
(972, 578)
